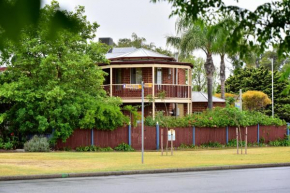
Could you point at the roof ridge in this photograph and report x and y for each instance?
(203, 95)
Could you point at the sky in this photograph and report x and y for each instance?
(120, 18)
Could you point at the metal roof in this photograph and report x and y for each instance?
(132, 52)
(202, 97)
(141, 52)
(115, 52)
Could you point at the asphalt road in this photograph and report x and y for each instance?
(246, 180)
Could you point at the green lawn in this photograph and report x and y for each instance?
(74, 162)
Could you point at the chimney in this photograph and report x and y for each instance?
(176, 54)
(108, 41)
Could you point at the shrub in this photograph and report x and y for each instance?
(37, 144)
(227, 95)
(233, 143)
(106, 149)
(185, 146)
(149, 121)
(93, 148)
(255, 100)
(280, 142)
(67, 149)
(8, 145)
(124, 147)
(211, 144)
(1, 143)
(80, 149)
(217, 117)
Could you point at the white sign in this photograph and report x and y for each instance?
(171, 135)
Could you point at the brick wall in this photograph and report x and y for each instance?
(147, 75)
(167, 78)
(181, 76)
(202, 106)
(126, 75)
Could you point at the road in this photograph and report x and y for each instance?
(246, 180)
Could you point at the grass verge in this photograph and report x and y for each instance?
(77, 162)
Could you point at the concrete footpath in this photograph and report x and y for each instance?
(118, 173)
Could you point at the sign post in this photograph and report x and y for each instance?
(171, 137)
(142, 87)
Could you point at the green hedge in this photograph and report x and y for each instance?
(218, 117)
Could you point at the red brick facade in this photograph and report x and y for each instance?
(202, 106)
(158, 107)
(167, 75)
(181, 76)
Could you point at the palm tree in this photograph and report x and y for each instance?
(197, 36)
(223, 31)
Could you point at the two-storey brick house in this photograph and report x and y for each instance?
(167, 76)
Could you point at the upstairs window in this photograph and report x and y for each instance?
(158, 76)
(118, 76)
(136, 75)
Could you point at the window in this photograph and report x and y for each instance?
(136, 75)
(158, 76)
(118, 76)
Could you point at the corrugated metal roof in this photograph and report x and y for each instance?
(132, 52)
(115, 52)
(202, 97)
(142, 52)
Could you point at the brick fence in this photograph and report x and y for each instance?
(189, 135)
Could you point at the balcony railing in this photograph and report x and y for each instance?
(171, 91)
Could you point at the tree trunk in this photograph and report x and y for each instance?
(209, 69)
(209, 92)
(223, 75)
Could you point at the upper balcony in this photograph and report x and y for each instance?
(163, 72)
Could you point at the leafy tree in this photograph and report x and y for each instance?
(264, 24)
(134, 115)
(140, 42)
(260, 79)
(55, 84)
(136, 41)
(266, 60)
(18, 14)
(198, 73)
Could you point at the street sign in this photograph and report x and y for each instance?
(137, 86)
(132, 86)
(171, 135)
(148, 85)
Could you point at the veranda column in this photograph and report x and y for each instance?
(189, 78)
(153, 92)
(111, 81)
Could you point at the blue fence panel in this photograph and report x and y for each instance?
(92, 136)
(157, 136)
(129, 136)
